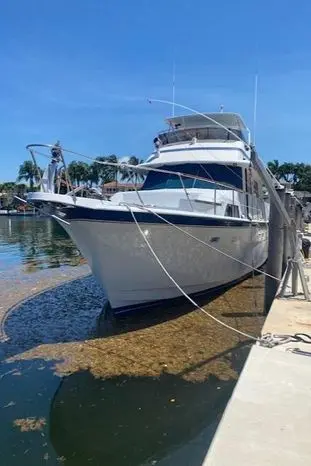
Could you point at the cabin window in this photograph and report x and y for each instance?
(201, 134)
(232, 211)
(217, 177)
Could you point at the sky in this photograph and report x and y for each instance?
(82, 72)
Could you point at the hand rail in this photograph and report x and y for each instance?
(217, 185)
(215, 201)
(36, 166)
(142, 168)
(184, 188)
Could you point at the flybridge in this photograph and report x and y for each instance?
(204, 127)
(213, 120)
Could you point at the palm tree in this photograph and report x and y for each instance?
(104, 172)
(29, 172)
(129, 174)
(78, 171)
(94, 173)
(113, 171)
(72, 171)
(274, 168)
(83, 172)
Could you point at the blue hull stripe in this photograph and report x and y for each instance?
(83, 213)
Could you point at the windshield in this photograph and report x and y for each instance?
(180, 135)
(217, 177)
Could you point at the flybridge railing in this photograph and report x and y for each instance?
(57, 174)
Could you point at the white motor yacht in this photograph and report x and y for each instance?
(201, 210)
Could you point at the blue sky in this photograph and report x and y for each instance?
(81, 72)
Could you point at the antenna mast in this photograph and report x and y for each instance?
(174, 73)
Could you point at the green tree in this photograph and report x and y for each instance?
(29, 172)
(78, 172)
(7, 198)
(113, 171)
(129, 174)
(288, 171)
(72, 171)
(94, 173)
(297, 174)
(304, 181)
(103, 170)
(83, 172)
(7, 186)
(108, 173)
(274, 168)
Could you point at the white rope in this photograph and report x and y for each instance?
(194, 177)
(180, 288)
(145, 168)
(159, 170)
(200, 240)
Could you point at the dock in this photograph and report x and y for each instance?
(267, 420)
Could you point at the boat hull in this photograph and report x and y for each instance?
(122, 262)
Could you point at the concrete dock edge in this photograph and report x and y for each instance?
(267, 420)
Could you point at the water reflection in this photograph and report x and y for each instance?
(127, 421)
(37, 243)
(144, 395)
(143, 389)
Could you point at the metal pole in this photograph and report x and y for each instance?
(275, 251)
(287, 274)
(187, 195)
(67, 177)
(296, 251)
(36, 166)
(298, 237)
(287, 251)
(215, 199)
(275, 200)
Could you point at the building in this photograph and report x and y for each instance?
(113, 187)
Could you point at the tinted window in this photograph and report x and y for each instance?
(212, 172)
(200, 134)
(232, 211)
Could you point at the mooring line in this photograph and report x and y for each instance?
(202, 242)
(181, 289)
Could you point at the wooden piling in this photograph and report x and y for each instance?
(275, 251)
(299, 217)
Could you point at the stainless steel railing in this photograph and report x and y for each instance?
(36, 149)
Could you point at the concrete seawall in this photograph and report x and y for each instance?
(267, 420)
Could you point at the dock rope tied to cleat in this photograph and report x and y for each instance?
(270, 339)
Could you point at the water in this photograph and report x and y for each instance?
(34, 244)
(140, 390)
